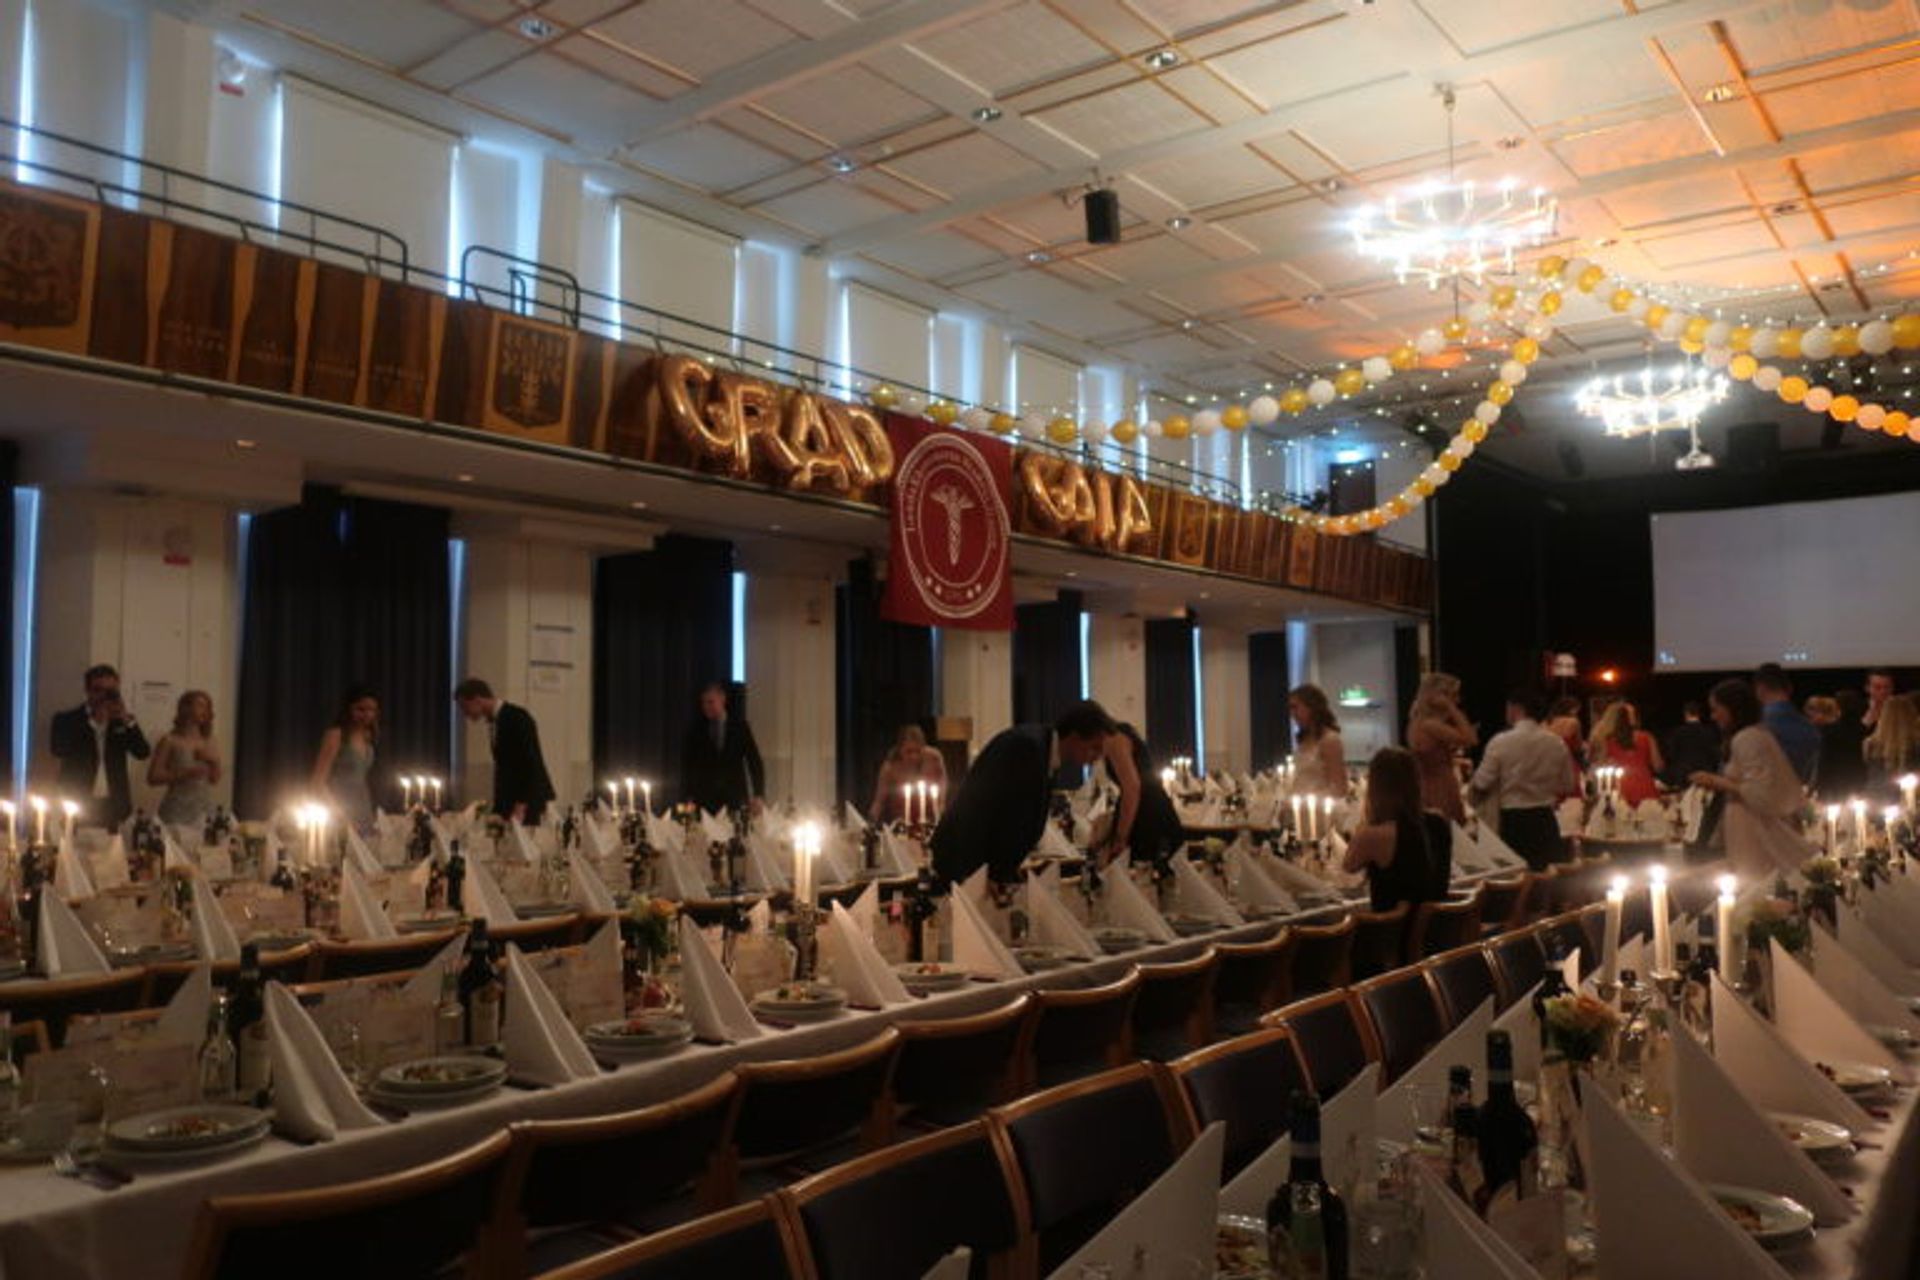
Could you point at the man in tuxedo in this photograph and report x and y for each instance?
(720, 765)
(93, 742)
(521, 787)
(1000, 810)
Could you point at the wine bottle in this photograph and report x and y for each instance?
(449, 1017)
(456, 875)
(1463, 1170)
(480, 990)
(1304, 1132)
(1300, 1252)
(218, 1058)
(1459, 1087)
(247, 1028)
(1509, 1144)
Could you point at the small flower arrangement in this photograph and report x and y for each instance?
(1779, 920)
(649, 924)
(1579, 1026)
(1823, 876)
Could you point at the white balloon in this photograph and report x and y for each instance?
(1153, 429)
(1480, 312)
(1376, 369)
(1430, 342)
(1672, 325)
(1876, 337)
(1513, 373)
(1033, 425)
(1094, 430)
(1436, 475)
(1818, 400)
(1638, 307)
(975, 419)
(1767, 377)
(1206, 422)
(1765, 344)
(1817, 343)
(1487, 412)
(1717, 357)
(1263, 410)
(911, 403)
(1320, 392)
(1717, 334)
(1574, 270)
(1871, 416)
(1539, 329)
(1459, 447)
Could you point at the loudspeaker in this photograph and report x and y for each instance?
(1103, 216)
(1753, 446)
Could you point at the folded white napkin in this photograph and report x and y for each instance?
(484, 899)
(1129, 908)
(362, 918)
(763, 873)
(1853, 985)
(957, 1265)
(519, 845)
(1523, 1025)
(1465, 1045)
(1468, 856)
(359, 855)
(1815, 1024)
(541, 1045)
(1651, 1219)
(71, 880)
(424, 985)
(1859, 938)
(590, 892)
(714, 1005)
(718, 826)
(1053, 925)
(184, 1020)
(1349, 1128)
(213, 936)
(679, 878)
(1496, 850)
(974, 888)
(1721, 1137)
(1054, 843)
(857, 964)
(853, 819)
(1768, 1070)
(175, 859)
(866, 908)
(1292, 877)
(1455, 1243)
(1168, 1230)
(899, 855)
(1197, 896)
(66, 949)
(664, 834)
(976, 948)
(1257, 888)
(837, 858)
(312, 1098)
(602, 837)
(1252, 1187)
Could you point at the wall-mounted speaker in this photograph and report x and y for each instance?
(1103, 216)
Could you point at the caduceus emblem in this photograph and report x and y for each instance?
(956, 504)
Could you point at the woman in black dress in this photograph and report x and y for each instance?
(1406, 851)
(1146, 825)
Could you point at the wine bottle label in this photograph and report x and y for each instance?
(483, 1026)
(256, 1060)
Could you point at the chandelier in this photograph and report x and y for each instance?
(1638, 406)
(1454, 230)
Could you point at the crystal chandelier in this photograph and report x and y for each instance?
(1454, 230)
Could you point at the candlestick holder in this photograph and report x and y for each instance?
(921, 901)
(803, 931)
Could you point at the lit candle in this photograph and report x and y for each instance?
(1610, 940)
(406, 792)
(39, 804)
(646, 794)
(1908, 782)
(1329, 815)
(906, 800)
(1859, 823)
(806, 845)
(1662, 927)
(1833, 827)
(1723, 928)
(1293, 802)
(320, 835)
(613, 795)
(436, 793)
(71, 811)
(631, 783)
(936, 802)
(921, 788)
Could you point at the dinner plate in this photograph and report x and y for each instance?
(660, 1034)
(1114, 939)
(543, 910)
(1898, 1038)
(450, 1074)
(185, 1128)
(427, 921)
(189, 1155)
(1820, 1139)
(151, 953)
(424, 1101)
(1039, 958)
(1189, 925)
(818, 1004)
(928, 977)
(281, 940)
(1856, 1077)
(1240, 1248)
(1773, 1221)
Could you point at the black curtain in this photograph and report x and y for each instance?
(884, 679)
(662, 630)
(9, 461)
(1171, 696)
(342, 592)
(1046, 658)
(1406, 676)
(1268, 679)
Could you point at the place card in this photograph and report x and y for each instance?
(129, 919)
(144, 1074)
(391, 1023)
(260, 909)
(585, 980)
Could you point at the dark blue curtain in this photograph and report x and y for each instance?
(1171, 695)
(1046, 658)
(884, 679)
(342, 592)
(662, 630)
(1268, 679)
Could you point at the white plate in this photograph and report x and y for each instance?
(1856, 1077)
(543, 910)
(1898, 1038)
(429, 1101)
(1115, 940)
(428, 921)
(138, 1132)
(1038, 959)
(189, 1155)
(1187, 926)
(1821, 1139)
(1781, 1221)
(474, 1072)
(819, 997)
(943, 977)
(666, 1035)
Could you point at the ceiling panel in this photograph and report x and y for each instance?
(698, 37)
(709, 157)
(971, 160)
(1013, 48)
(621, 66)
(544, 88)
(394, 35)
(1138, 113)
(850, 105)
(1477, 26)
(826, 208)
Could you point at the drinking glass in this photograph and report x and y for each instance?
(1431, 1123)
(349, 1051)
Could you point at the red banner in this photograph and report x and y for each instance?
(951, 533)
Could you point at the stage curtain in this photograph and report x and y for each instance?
(1046, 658)
(884, 680)
(1268, 680)
(1170, 692)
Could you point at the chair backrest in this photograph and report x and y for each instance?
(1173, 1010)
(1083, 1150)
(1518, 962)
(1322, 958)
(897, 1212)
(1073, 1033)
(1379, 940)
(1247, 1084)
(1404, 1016)
(289, 966)
(1253, 978)
(1462, 978)
(802, 1103)
(606, 1168)
(538, 935)
(1562, 935)
(424, 1220)
(751, 1240)
(28, 1038)
(1331, 1037)
(1503, 901)
(1593, 929)
(953, 1067)
(333, 960)
(1562, 888)
(1442, 926)
(55, 1001)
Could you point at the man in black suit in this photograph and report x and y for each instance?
(720, 765)
(93, 742)
(1000, 810)
(521, 788)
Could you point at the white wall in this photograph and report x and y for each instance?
(1357, 653)
(976, 680)
(1118, 655)
(791, 680)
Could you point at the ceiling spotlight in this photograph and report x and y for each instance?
(1313, 299)
(1328, 185)
(1725, 91)
(534, 27)
(986, 115)
(1187, 325)
(1512, 142)
(1038, 256)
(1161, 60)
(1179, 222)
(842, 163)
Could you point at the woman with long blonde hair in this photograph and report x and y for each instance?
(1893, 748)
(1437, 733)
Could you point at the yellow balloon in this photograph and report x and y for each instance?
(1549, 303)
(1696, 330)
(942, 413)
(1526, 351)
(1741, 338)
(1397, 508)
(1124, 431)
(1423, 486)
(1844, 408)
(1233, 418)
(1500, 392)
(1349, 382)
(1789, 344)
(1692, 346)
(882, 396)
(1454, 329)
(1906, 331)
(1293, 400)
(1846, 340)
(1896, 423)
(1475, 431)
(1742, 366)
(1403, 357)
(1551, 266)
(1621, 299)
(1062, 430)
(1002, 424)
(1655, 314)
(1502, 296)
(1590, 279)
(1449, 463)
(1176, 428)
(1793, 390)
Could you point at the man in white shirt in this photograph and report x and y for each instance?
(1527, 769)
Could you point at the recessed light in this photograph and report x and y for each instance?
(1179, 222)
(1313, 299)
(1038, 256)
(1512, 142)
(1206, 595)
(986, 115)
(534, 27)
(637, 505)
(1725, 91)
(1187, 324)
(1784, 207)
(243, 444)
(1161, 60)
(464, 478)
(1329, 185)
(842, 164)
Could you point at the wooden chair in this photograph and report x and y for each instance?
(288, 966)
(572, 1188)
(952, 1069)
(423, 1221)
(897, 1212)
(1593, 929)
(1505, 901)
(802, 1115)
(1247, 1083)
(1561, 891)
(1073, 1033)
(53, 1002)
(1322, 958)
(28, 1038)
(1253, 978)
(1463, 979)
(538, 935)
(1404, 1018)
(1082, 1151)
(1518, 962)
(1442, 926)
(1560, 936)
(751, 1240)
(1379, 940)
(1173, 1010)
(332, 960)
(1332, 1038)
